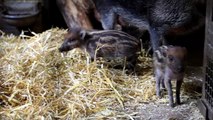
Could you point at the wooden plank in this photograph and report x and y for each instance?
(74, 14)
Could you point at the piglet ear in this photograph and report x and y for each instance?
(83, 34)
(67, 35)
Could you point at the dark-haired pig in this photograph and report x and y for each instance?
(169, 64)
(103, 43)
(156, 16)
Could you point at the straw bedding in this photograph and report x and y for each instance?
(38, 82)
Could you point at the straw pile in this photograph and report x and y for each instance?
(38, 82)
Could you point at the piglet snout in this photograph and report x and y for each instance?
(180, 69)
(60, 49)
(63, 49)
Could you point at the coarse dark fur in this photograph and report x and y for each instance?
(103, 43)
(169, 64)
(156, 16)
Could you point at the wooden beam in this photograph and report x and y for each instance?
(74, 13)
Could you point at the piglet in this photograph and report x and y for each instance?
(103, 43)
(169, 64)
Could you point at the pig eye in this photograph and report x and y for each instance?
(171, 58)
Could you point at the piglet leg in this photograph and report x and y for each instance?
(170, 93)
(158, 79)
(131, 63)
(163, 83)
(178, 86)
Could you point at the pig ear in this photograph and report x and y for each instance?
(84, 35)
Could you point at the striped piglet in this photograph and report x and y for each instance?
(103, 43)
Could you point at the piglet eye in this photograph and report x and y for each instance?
(68, 42)
(171, 58)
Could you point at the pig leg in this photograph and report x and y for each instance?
(108, 20)
(155, 38)
(178, 86)
(164, 42)
(170, 93)
(157, 35)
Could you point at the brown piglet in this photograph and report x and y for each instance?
(169, 64)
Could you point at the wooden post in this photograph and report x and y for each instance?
(74, 13)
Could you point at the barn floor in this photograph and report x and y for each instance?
(188, 110)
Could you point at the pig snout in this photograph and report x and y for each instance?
(64, 47)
